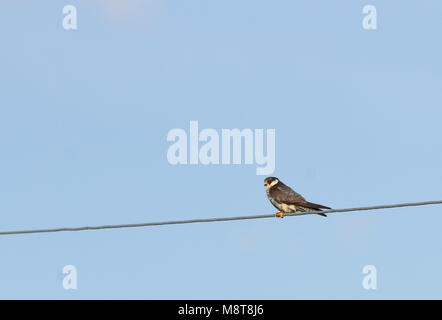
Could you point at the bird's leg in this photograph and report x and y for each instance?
(280, 214)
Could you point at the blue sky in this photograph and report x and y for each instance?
(84, 117)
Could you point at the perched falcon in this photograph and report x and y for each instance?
(288, 201)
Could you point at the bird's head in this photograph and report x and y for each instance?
(270, 182)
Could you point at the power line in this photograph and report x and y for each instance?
(151, 224)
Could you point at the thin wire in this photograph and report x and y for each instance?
(151, 224)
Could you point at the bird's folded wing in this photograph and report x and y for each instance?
(309, 205)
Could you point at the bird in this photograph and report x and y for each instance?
(288, 201)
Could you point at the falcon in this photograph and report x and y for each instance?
(288, 201)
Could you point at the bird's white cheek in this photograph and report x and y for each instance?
(273, 183)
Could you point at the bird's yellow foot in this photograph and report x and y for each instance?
(280, 214)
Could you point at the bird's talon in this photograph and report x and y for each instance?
(279, 214)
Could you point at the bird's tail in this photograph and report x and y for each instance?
(317, 207)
